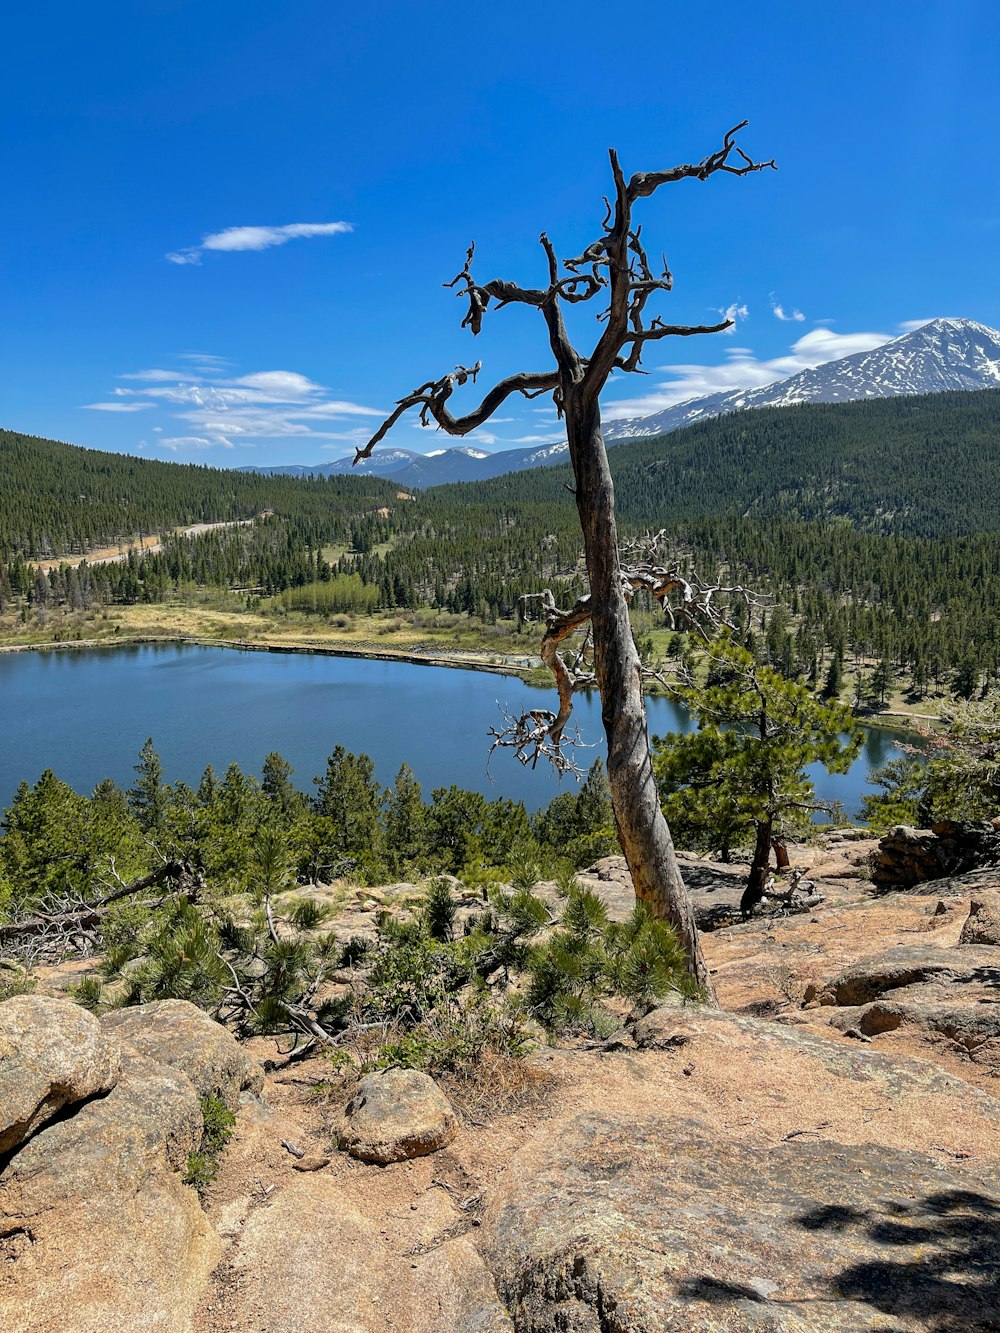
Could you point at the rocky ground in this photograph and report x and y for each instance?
(821, 1153)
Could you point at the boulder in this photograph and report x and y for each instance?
(52, 1055)
(873, 976)
(629, 1224)
(907, 857)
(982, 926)
(108, 1235)
(178, 1034)
(395, 1115)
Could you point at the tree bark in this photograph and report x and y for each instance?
(642, 830)
(759, 866)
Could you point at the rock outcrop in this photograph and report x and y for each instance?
(655, 1224)
(760, 1199)
(905, 966)
(182, 1036)
(983, 923)
(52, 1055)
(314, 1260)
(907, 856)
(947, 992)
(396, 1115)
(100, 1120)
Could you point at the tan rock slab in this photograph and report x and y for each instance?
(53, 1054)
(178, 1034)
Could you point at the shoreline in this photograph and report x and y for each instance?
(908, 724)
(248, 646)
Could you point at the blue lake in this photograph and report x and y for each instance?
(86, 715)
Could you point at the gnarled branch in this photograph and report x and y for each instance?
(683, 598)
(432, 398)
(617, 262)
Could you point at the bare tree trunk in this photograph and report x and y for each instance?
(614, 265)
(642, 830)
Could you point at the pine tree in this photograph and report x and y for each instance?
(741, 772)
(148, 796)
(834, 677)
(404, 820)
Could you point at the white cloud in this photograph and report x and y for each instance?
(205, 359)
(742, 370)
(202, 412)
(233, 239)
(118, 407)
(908, 325)
(787, 316)
(151, 375)
(734, 312)
(539, 439)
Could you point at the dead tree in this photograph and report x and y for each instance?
(615, 266)
(59, 925)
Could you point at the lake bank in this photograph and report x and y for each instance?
(525, 666)
(456, 661)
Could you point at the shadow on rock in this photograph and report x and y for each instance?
(947, 1273)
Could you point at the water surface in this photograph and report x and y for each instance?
(86, 715)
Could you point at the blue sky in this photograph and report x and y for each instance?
(225, 225)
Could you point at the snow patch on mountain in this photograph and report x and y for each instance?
(944, 354)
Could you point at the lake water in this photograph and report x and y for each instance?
(86, 715)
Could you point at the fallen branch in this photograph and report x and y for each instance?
(90, 914)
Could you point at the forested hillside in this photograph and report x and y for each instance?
(925, 466)
(873, 525)
(57, 499)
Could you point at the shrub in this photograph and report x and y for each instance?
(589, 959)
(439, 911)
(217, 1130)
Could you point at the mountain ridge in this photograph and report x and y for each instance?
(940, 356)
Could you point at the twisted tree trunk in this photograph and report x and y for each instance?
(642, 830)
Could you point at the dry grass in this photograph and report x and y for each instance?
(496, 1085)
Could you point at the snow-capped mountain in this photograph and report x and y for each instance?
(383, 463)
(944, 354)
(438, 468)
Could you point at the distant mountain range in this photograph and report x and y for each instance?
(943, 355)
(409, 469)
(946, 354)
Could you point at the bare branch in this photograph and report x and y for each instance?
(432, 399)
(683, 598)
(77, 917)
(645, 183)
(530, 736)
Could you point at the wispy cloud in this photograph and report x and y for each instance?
(908, 325)
(735, 312)
(742, 370)
(553, 438)
(233, 239)
(203, 408)
(118, 407)
(787, 316)
(183, 442)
